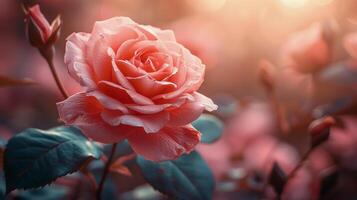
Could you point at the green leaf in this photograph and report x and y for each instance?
(36, 157)
(55, 192)
(188, 177)
(277, 178)
(210, 127)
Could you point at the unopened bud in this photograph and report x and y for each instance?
(320, 130)
(40, 33)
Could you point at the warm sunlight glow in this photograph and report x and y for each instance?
(207, 5)
(323, 2)
(294, 3)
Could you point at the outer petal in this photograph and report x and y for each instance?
(83, 111)
(97, 56)
(150, 123)
(154, 33)
(75, 59)
(191, 110)
(167, 144)
(112, 25)
(185, 114)
(205, 101)
(36, 15)
(95, 128)
(77, 104)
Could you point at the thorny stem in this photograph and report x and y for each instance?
(298, 166)
(91, 180)
(49, 61)
(106, 171)
(296, 169)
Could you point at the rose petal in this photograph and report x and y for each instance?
(123, 52)
(148, 109)
(128, 69)
(167, 144)
(123, 95)
(77, 104)
(154, 33)
(205, 101)
(40, 21)
(108, 102)
(76, 61)
(111, 26)
(149, 87)
(84, 112)
(150, 123)
(191, 110)
(117, 74)
(95, 128)
(185, 114)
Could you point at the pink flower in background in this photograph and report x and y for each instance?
(252, 122)
(217, 156)
(261, 154)
(140, 85)
(304, 185)
(343, 143)
(307, 51)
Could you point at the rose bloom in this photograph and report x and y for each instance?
(252, 122)
(308, 51)
(140, 85)
(218, 152)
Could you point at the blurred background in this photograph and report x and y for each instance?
(233, 38)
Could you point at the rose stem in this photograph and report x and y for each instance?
(55, 76)
(299, 165)
(296, 169)
(91, 180)
(106, 171)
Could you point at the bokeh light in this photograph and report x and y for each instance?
(294, 3)
(323, 2)
(207, 5)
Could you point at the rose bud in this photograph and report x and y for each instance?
(320, 130)
(138, 84)
(40, 33)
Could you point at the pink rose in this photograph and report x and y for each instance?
(251, 123)
(308, 51)
(140, 85)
